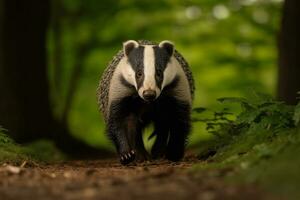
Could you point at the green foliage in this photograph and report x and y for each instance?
(4, 139)
(258, 112)
(218, 122)
(262, 118)
(263, 110)
(43, 151)
(261, 143)
(9, 151)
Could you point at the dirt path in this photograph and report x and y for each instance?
(107, 179)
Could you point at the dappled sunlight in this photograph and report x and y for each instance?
(221, 40)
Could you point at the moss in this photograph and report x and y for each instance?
(9, 151)
(43, 151)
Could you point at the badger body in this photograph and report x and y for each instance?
(147, 83)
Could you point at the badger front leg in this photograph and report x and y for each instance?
(118, 132)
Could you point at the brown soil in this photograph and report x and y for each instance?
(107, 179)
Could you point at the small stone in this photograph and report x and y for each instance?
(67, 175)
(13, 169)
(53, 175)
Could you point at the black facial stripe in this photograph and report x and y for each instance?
(136, 60)
(161, 60)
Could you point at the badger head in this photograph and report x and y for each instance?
(149, 67)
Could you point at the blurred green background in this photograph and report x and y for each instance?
(229, 44)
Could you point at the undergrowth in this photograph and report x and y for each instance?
(261, 143)
(42, 151)
(8, 149)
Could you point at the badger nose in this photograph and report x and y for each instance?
(149, 95)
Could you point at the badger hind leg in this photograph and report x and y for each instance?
(179, 129)
(141, 153)
(177, 141)
(135, 137)
(159, 147)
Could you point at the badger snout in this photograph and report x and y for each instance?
(149, 95)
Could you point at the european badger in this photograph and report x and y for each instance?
(145, 83)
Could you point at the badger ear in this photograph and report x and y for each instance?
(168, 46)
(129, 45)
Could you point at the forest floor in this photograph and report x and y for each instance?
(254, 157)
(107, 179)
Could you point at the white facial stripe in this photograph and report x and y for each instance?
(149, 68)
(127, 72)
(170, 72)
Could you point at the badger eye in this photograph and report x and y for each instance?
(159, 74)
(139, 74)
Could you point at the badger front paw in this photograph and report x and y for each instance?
(127, 157)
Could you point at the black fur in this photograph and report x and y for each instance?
(168, 47)
(136, 60)
(162, 57)
(130, 115)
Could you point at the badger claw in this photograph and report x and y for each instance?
(127, 157)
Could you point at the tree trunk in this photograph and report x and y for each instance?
(24, 105)
(58, 49)
(25, 108)
(289, 52)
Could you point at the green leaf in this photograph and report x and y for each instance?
(232, 100)
(4, 139)
(248, 117)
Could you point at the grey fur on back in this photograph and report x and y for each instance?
(104, 84)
